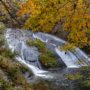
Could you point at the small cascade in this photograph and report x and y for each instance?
(16, 40)
(72, 59)
(28, 56)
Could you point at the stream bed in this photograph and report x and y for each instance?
(46, 79)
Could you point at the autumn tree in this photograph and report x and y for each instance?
(49, 15)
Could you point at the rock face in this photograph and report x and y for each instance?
(16, 40)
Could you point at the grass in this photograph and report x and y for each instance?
(37, 43)
(46, 57)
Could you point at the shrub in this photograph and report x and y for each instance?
(37, 43)
(48, 61)
(46, 57)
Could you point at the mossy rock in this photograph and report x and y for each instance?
(47, 59)
(76, 76)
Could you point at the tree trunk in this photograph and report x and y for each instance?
(56, 27)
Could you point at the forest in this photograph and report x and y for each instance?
(44, 44)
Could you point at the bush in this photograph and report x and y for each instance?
(37, 43)
(46, 57)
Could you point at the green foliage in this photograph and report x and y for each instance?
(46, 57)
(76, 76)
(48, 61)
(67, 47)
(13, 70)
(14, 73)
(37, 43)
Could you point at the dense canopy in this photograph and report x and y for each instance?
(50, 15)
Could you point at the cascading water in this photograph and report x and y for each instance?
(74, 59)
(29, 55)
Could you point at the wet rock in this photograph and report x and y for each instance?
(31, 54)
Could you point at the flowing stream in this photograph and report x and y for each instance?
(29, 55)
(16, 41)
(72, 59)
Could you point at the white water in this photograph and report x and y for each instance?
(36, 71)
(69, 59)
(12, 45)
(74, 59)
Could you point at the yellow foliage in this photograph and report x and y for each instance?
(67, 47)
(44, 15)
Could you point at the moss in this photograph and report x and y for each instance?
(48, 61)
(84, 68)
(37, 43)
(46, 57)
(76, 76)
(67, 47)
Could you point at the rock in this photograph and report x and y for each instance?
(31, 54)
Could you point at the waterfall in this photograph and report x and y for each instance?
(18, 44)
(72, 59)
(16, 40)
